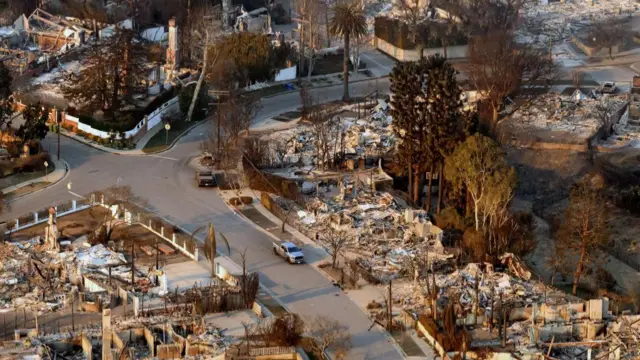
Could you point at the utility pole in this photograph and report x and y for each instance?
(133, 264)
(218, 94)
(73, 319)
(157, 264)
(301, 23)
(389, 310)
(57, 130)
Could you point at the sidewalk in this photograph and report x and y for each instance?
(61, 170)
(264, 220)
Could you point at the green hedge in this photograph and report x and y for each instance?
(130, 118)
(396, 32)
(120, 126)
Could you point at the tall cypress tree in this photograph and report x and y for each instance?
(428, 117)
(405, 103)
(447, 123)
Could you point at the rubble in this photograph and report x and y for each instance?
(368, 135)
(576, 115)
(560, 14)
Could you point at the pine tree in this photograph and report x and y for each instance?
(428, 118)
(447, 123)
(405, 102)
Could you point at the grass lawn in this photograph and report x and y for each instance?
(17, 178)
(159, 141)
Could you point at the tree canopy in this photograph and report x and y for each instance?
(111, 75)
(254, 56)
(428, 114)
(479, 165)
(6, 100)
(35, 123)
(583, 231)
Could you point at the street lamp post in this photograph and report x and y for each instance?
(57, 130)
(167, 127)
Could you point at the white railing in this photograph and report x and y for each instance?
(16, 225)
(172, 240)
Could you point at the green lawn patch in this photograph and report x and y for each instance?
(160, 140)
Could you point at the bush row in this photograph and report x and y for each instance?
(27, 164)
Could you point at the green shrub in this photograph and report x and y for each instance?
(127, 120)
(629, 199)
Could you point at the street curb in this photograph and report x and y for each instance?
(66, 173)
(325, 86)
(175, 141)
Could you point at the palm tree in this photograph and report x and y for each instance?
(348, 21)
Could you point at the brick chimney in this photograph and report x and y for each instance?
(172, 49)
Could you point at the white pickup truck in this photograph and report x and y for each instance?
(289, 251)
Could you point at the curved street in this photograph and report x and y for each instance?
(167, 183)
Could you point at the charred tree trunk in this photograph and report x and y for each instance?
(579, 269)
(345, 68)
(416, 186)
(410, 179)
(429, 189)
(440, 187)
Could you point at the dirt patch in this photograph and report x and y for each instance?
(624, 228)
(339, 276)
(545, 176)
(144, 246)
(72, 225)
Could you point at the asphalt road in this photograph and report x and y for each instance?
(167, 183)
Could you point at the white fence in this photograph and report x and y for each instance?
(149, 121)
(36, 218)
(40, 217)
(172, 240)
(89, 130)
(155, 117)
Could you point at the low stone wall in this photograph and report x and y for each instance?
(453, 52)
(593, 51)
